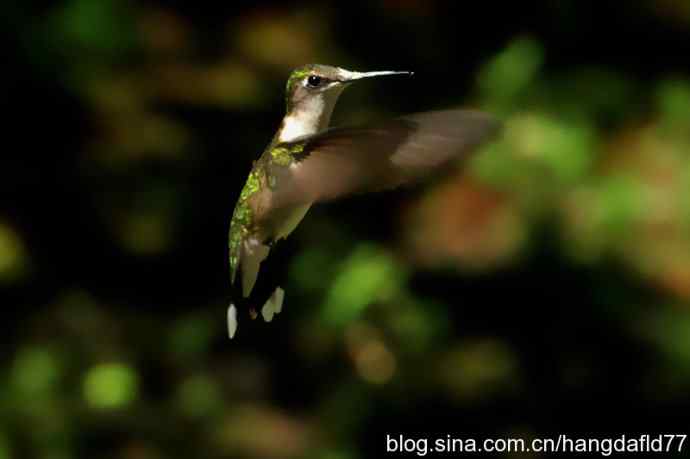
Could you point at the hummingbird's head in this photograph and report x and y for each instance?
(311, 93)
(323, 81)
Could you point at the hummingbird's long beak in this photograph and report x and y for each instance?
(347, 76)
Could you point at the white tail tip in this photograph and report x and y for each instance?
(232, 320)
(273, 305)
(280, 296)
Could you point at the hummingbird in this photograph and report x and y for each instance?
(308, 162)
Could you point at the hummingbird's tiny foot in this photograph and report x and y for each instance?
(232, 320)
(252, 313)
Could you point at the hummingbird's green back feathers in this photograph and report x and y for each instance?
(243, 218)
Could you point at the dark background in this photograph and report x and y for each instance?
(542, 288)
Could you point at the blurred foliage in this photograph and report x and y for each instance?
(546, 281)
(109, 386)
(13, 257)
(376, 277)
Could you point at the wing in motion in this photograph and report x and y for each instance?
(343, 161)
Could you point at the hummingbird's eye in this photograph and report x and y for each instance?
(314, 81)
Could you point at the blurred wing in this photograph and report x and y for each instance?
(343, 161)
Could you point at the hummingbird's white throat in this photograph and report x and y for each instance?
(310, 116)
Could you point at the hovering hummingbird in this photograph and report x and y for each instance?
(308, 162)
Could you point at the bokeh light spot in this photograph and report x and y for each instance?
(110, 386)
(476, 370)
(510, 72)
(374, 362)
(35, 372)
(673, 98)
(367, 275)
(12, 255)
(199, 396)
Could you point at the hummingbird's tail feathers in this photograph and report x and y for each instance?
(253, 252)
(250, 294)
(232, 320)
(273, 305)
(278, 304)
